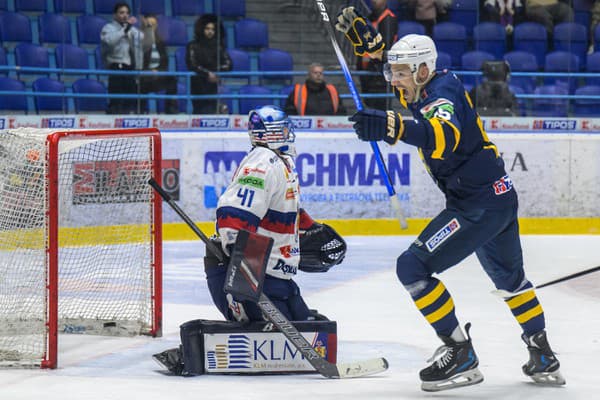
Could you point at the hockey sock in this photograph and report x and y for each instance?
(528, 312)
(437, 306)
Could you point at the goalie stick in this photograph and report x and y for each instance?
(325, 368)
(395, 202)
(507, 294)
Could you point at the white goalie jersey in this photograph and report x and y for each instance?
(263, 198)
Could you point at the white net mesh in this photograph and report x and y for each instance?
(105, 239)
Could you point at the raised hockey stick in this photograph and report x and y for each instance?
(507, 294)
(395, 202)
(322, 366)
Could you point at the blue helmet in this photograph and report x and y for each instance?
(269, 126)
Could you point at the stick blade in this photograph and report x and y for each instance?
(358, 369)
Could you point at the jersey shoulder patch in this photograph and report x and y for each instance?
(440, 107)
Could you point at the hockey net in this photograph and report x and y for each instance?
(80, 238)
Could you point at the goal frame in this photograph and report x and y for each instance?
(50, 358)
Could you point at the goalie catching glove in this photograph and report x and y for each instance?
(373, 125)
(362, 35)
(321, 247)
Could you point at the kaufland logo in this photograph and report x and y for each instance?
(58, 122)
(132, 122)
(214, 123)
(555, 124)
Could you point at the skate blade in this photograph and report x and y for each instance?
(549, 378)
(467, 378)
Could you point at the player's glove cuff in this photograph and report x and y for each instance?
(360, 32)
(374, 125)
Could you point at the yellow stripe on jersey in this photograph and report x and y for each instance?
(520, 299)
(456, 134)
(440, 139)
(430, 297)
(493, 147)
(527, 315)
(440, 312)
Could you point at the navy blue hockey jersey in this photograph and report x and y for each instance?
(455, 148)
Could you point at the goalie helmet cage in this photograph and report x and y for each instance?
(80, 238)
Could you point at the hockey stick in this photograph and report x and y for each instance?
(395, 202)
(506, 293)
(322, 366)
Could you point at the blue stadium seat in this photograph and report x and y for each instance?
(142, 7)
(172, 30)
(71, 56)
(187, 8)
(30, 6)
(271, 60)
(408, 27)
(472, 61)
(3, 5)
(69, 6)
(54, 28)
(181, 103)
(246, 105)
(522, 61)
(562, 61)
(106, 6)
(12, 102)
(231, 8)
(522, 104)
(240, 60)
(99, 62)
(549, 107)
(56, 104)
(571, 37)
(180, 64)
(444, 61)
(89, 104)
(3, 61)
(464, 12)
(14, 27)
(451, 38)
(89, 28)
(531, 37)
(490, 37)
(285, 90)
(593, 66)
(251, 34)
(32, 55)
(587, 107)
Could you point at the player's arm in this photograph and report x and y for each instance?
(439, 132)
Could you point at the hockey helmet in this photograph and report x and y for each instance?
(269, 126)
(412, 50)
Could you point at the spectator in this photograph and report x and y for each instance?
(493, 97)
(426, 13)
(205, 55)
(505, 12)
(315, 96)
(595, 19)
(548, 13)
(156, 59)
(121, 45)
(385, 22)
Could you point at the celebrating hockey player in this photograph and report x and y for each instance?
(481, 204)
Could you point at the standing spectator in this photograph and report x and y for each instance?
(426, 12)
(156, 59)
(315, 96)
(205, 55)
(122, 51)
(386, 23)
(548, 13)
(508, 13)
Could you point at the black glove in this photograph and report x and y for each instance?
(373, 125)
(359, 31)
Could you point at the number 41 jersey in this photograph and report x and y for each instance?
(263, 198)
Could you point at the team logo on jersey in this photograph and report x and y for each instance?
(248, 170)
(286, 269)
(288, 251)
(442, 108)
(290, 194)
(253, 181)
(442, 235)
(503, 185)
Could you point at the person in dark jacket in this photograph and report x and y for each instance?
(314, 96)
(156, 59)
(205, 55)
(493, 96)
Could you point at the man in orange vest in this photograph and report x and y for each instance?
(386, 23)
(314, 96)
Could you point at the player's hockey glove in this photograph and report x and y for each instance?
(360, 32)
(374, 125)
(321, 248)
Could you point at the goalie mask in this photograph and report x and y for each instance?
(269, 126)
(321, 248)
(412, 50)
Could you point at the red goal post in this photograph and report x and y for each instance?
(80, 238)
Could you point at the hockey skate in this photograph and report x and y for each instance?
(170, 359)
(454, 365)
(543, 366)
